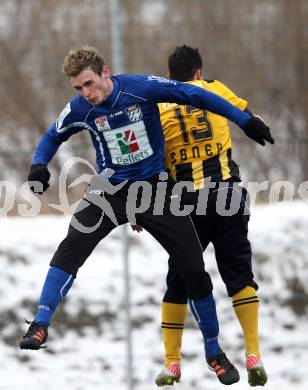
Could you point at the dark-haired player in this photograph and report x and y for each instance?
(198, 148)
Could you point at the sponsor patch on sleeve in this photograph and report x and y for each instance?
(160, 79)
(66, 110)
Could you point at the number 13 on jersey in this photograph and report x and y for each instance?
(194, 124)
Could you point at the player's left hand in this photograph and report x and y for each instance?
(136, 228)
(258, 131)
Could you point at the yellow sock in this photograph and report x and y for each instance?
(173, 318)
(246, 307)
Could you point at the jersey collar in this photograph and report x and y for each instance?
(111, 99)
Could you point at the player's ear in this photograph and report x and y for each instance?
(106, 71)
(198, 75)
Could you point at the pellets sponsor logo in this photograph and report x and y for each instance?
(127, 142)
(132, 158)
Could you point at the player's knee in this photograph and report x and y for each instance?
(199, 284)
(174, 295)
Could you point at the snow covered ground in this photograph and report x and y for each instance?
(86, 347)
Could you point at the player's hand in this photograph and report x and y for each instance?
(38, 178)
(136, 228)
(258, 131)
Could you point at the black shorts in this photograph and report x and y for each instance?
(101, 211)
(227, 231)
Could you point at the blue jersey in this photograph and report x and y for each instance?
(125, 128)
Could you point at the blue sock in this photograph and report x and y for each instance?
(204, 311)
(56, 286)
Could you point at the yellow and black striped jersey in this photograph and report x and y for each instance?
(198, 142)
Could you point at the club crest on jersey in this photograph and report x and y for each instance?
(134, 113)
(102, 123)
(127, 142)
